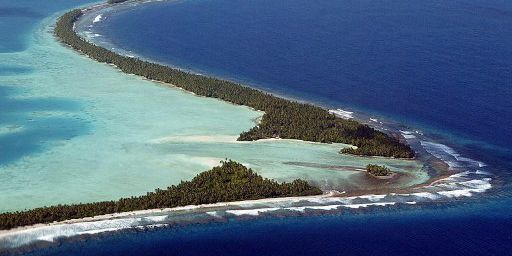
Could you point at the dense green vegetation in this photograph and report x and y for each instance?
(282, 118)
(229, 182)
(378, 170)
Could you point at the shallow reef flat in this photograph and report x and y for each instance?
(73, 130)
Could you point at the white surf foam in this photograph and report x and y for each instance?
(322, 207)
(407, 134)
(252, 212)
(427, 195)
(331, 207)
(478, 186)
(480, 172)
(52, 232)
(97, 19)
(156, 218)
(214, 214)
(98, 231)
(457, 185)
(342, 113)
(357, 206)
(449, 155)
(373, 198)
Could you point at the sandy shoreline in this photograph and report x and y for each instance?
(91, 12)
(19, 230)
(330, 200)
(240, 204)
(97, 8)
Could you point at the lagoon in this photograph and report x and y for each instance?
(73, 130)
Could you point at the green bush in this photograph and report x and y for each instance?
(229, 182)
(378, 170)
(282, 119)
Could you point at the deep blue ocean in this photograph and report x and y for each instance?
(418, 232)
(444, 67)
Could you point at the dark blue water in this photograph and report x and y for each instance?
(478, 230)
(443, 65)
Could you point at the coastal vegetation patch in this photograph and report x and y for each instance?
(378, 170)
(282, 119)
(231, 181)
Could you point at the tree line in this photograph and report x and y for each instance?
(231, 181)
(282, 119)
(378, 170)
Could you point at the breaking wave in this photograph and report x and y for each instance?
(463, 184)
(342, 113)
(450, 156)
(97, 19)
(469, 180)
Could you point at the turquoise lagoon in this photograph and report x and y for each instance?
(73, 130)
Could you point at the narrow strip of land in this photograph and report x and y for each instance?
(282, 119)
(231, 181)
(226, 183)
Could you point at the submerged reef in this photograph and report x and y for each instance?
(282, 119)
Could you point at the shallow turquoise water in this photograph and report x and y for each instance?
(443, 65)
(72, 130)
